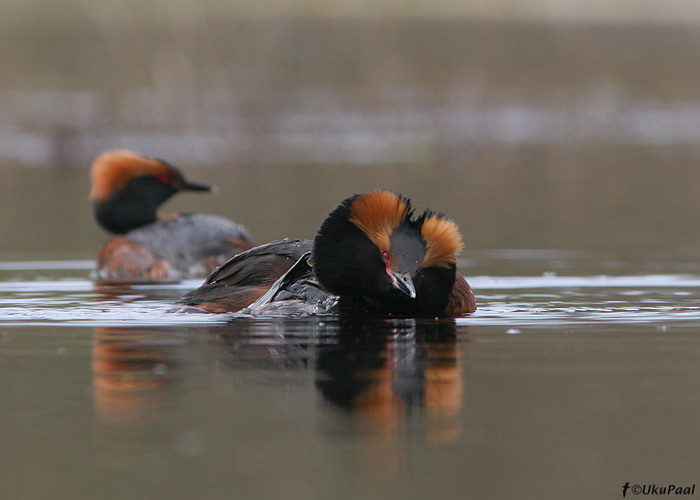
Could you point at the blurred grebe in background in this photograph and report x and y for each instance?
(127, 190)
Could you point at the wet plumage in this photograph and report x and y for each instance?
(127, 190)
(372, 254)
(247, 276)
(374, 251)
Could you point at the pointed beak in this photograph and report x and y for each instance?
(403, 282)
(196, 186)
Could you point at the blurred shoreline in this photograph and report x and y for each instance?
(327, 126)
(558, 11)
(338, 91)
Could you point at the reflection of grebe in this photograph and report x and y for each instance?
(371, 254)
(128, 372)
(127, 190)
(392, 383)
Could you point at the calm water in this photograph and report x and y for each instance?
(567, 154)
(558, 387)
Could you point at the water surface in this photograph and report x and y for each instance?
(555, 380)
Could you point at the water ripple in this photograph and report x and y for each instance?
(602, 281)
(508, 301)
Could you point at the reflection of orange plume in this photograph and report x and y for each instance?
(378, 402)
(405, 386)
(443, 382)
(436, 389)
(443, 393)
(126, 372)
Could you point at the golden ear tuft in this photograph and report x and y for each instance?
(113, 169)
(443, 241)
(378, 213)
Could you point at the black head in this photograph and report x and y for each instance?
(128, 188)
(373, 247)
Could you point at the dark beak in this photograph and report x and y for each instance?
(196, 186)
(403, 282)
(182, 184)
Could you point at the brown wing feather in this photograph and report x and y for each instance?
(247, 276)
(462, 300)
(217, 298)
(260, 265)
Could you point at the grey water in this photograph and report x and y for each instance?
(567, 154)
(553, 381)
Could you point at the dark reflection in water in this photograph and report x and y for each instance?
(392, 381)
(389, 375)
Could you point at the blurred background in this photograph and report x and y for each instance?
(535, 124)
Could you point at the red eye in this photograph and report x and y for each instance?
(163, 177)
(385, 256)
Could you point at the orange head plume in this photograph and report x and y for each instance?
(112, 170)
(442, 239)
(378, 213)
